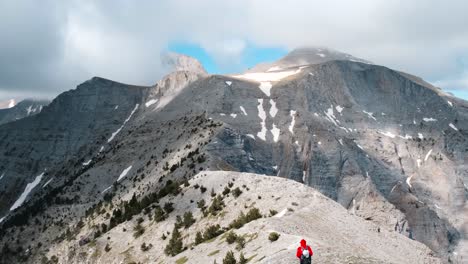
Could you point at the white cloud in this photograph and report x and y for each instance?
(56, 45)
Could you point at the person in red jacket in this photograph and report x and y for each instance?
(304, 253)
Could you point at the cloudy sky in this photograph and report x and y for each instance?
(47, 46)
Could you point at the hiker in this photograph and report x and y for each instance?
(304, 253)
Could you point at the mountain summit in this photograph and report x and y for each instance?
(305, 56)
(179, 62)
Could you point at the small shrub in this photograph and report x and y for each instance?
(202, 189)
(178, 223)
(273, 236)
(159, 214)
(229, 258)
(242, 219)
(236, 192)
(138, 230)
(231, 237)
(201, 204)
(240, 243)
(168, 207)
(212, 232)
(226, 191)
(198, 238)
(217, 205)
(145, 247)
(107, 248)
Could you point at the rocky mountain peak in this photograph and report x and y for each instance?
(25, 108)
(179, 62)
(305, 56)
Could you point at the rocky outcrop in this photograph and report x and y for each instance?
(23, 109)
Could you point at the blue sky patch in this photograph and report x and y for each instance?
(251, 56)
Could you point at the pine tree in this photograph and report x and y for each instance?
(175, 245)
(188, 219)
(198, 238)
(159, 214)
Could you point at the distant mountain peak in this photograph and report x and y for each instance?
(7, 104)
(12, 103)
(306, 56)
(179, 62)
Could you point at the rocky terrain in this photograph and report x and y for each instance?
(294, 212)
(23, 109)
(379, 150)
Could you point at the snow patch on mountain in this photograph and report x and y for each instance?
(427, 155)
(339, 108)
(273, 109)
(29, 187)
(125, 122)
(267, 76)
(12, 103)
(369, 114)
(292, 113)
(274, 68)
(124, 173)
(243, 110)
(430, 119)
(151, 102)
(331, 116)
(250, 136)
(282, 213)
(106, 189)
(387, 134)
(47, 183)
(419, 162)
(405, 137)
(453, 127)
(265, 87)
(408, 181)
(276, 133)
(262, 115)
(228, 83)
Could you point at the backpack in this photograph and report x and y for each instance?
(306, 258)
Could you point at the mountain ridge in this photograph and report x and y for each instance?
(365, 136)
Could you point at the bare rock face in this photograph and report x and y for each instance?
(23, 109)
(385, 145)
(180, 62)
(73, 125)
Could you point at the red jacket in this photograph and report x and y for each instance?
(302, 247)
